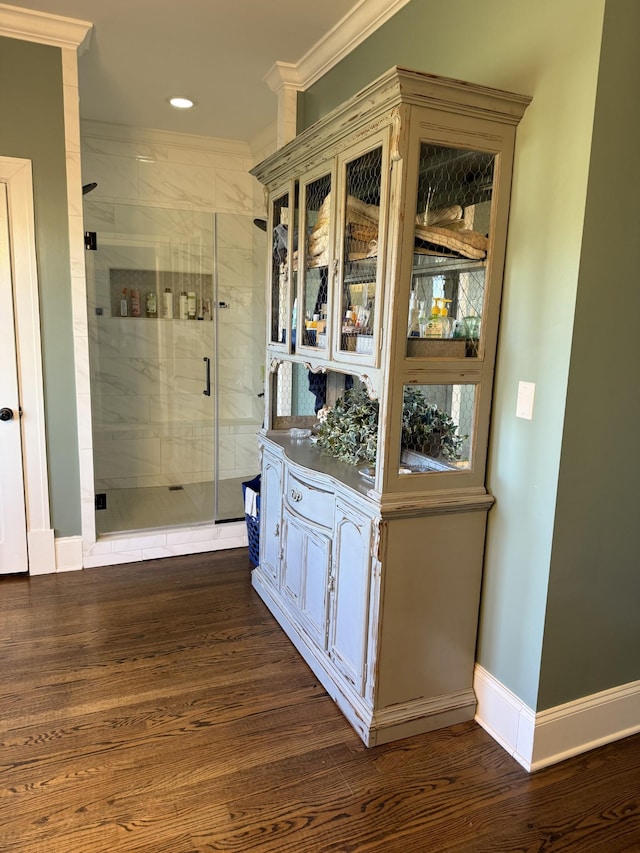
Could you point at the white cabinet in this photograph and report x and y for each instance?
(389, 223)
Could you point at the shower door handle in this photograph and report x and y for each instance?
(207, 377)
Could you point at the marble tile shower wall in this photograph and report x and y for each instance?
(153, 210)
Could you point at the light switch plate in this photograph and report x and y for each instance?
(524, 404)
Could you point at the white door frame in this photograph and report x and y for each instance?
(16, 174)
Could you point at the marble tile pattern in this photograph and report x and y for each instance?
(167, 207)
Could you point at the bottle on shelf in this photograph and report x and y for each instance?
(191, 305)
(167, 304)
(135, 303)
(439, 323)
(151, 304)
(124, 303)
(412, 326)
(183, 306)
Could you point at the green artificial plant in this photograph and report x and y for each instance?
(349, 430)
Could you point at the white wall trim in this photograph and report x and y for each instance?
(505, 717)
(137, 545)
(69, 554)
(17, 174)
(42, 27)
(586, 723)
(356, 26)
(548, 737)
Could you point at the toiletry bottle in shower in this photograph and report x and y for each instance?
(135, 302)
(184, 305)
(124, 303)
(152, 304)
(167, 304)
(191, 304)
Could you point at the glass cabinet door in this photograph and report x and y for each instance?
(355, 314)
(451, 242)
(283, 271)
(437, 428)
(315, 257)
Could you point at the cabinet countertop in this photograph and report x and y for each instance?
(306, 454)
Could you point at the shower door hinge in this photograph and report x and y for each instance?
(90, 241)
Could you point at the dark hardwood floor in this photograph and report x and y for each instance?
(158, 708)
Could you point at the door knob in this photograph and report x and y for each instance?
(6, 414)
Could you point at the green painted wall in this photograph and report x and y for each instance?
(592, 630)
(549, 50)
(32, 127)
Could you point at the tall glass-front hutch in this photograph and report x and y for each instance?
(388, 221)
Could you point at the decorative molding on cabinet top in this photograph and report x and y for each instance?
(44, 28)
(373, 106)
(356, 26)
(437, 503)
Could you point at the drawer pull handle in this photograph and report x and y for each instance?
(296, 496)
(276, 532)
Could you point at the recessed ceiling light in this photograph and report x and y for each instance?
(181, 103)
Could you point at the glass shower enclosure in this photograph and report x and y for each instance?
(176, 318)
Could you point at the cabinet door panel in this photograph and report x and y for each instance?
(316, 586)
(270, 515)
(307, 554)
(363, 175)
(293, 554)
(350, 604)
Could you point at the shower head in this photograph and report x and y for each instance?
(88, 187)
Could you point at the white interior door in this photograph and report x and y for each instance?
(13, 528)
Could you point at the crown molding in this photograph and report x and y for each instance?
(40, 27)
(356, 26)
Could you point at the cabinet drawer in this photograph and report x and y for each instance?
(308, 501)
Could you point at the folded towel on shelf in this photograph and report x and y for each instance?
(468, 244)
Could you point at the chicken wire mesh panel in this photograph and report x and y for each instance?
(361, 235)
(437, 428)
(317, 199)
(451, 239)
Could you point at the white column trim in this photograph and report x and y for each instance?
(17, 174)
(350, 32)
(537, 740)
(283, 84)
(42, 27)
(286, 79)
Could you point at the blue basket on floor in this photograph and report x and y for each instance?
(253, 524)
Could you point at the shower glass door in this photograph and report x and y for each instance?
(175, 374)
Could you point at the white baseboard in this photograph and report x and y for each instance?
(41, 549)
(69, 554)
(548, 737)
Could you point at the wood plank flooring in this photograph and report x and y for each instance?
(158, 708)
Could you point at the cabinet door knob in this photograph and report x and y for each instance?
(276, 532)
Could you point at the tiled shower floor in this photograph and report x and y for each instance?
(160, 506)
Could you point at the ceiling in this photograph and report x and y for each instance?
(216, 52)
